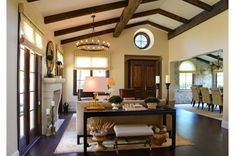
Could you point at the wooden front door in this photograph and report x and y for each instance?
(142, 77)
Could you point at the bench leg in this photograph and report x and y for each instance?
(116, 145)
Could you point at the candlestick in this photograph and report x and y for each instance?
(168, 79)
(48, 130)
(167, 97)
(53, 131)
(157, 90)
(157, 79)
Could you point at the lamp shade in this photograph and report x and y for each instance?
(95, 84)
(110, 81)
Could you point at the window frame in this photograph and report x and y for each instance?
(216, 79)
(75, 90)
(181, 89)
(146, 36)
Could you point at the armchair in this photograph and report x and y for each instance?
(127, 93)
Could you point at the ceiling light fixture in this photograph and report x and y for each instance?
(93, 44)
(217, 65)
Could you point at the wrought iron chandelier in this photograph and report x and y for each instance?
(93, 43)
(218, 64)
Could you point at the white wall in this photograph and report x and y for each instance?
(12, 32)
(12, 23)
(206, 37)
(120, 46)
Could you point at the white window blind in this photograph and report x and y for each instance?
(93, 60)
(30, 35)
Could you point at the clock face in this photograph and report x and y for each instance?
(50, 48)
(50, 56)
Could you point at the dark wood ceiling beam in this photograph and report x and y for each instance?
(111, 21)
(214, 57)
(205, 15)
(88, 11)
(202, 60)
(86, 36)
(159, 26)
(162, 12)
(173, 16)
(127, 13)
(86, 26)
(200, 4)
(109, 31)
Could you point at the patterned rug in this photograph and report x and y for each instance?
(204, 112)
(68, 142)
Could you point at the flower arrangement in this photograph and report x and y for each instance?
(152, 100)
(99, 127)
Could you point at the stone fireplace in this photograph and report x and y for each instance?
(52, 91)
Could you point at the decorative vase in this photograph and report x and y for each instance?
(115, 106)
(152, 105)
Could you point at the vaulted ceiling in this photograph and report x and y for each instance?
(71, 19)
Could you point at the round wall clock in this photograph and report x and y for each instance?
(50, 58)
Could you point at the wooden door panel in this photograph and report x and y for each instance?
(150, 75)
(137, 76)
(142, 77)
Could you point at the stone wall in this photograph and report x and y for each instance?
(202, 76)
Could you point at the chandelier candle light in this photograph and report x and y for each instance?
(168, 82)
(93, 44)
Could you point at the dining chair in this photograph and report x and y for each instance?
(206, 97)
(217, 98)
(196, 96)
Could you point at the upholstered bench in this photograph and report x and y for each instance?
(132, 130)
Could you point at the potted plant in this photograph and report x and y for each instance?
(152, 102)
(50, 64)
(115, 100)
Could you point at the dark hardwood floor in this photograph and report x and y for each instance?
(206, 134)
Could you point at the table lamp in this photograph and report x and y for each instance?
(110, 83)
(95, 85)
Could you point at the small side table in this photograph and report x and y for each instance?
(99, 140)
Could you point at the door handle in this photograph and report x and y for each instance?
(39, 103)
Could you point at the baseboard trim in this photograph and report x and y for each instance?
(16, 153)
(224, 124)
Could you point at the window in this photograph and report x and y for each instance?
(219, 79)
(29, 95)
(82, 74)
(94, 64)
(30, 35)
(186, 69)
(186, 80)
(142, 40)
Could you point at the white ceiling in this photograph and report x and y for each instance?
(51, 7)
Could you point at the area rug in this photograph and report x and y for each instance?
(204, 112)
(68, 142)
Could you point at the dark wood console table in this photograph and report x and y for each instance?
(110, 112)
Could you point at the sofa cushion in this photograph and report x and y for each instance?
(131, 130)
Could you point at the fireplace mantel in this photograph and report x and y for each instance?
(53, 80)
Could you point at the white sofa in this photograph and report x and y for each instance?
(149, 120)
